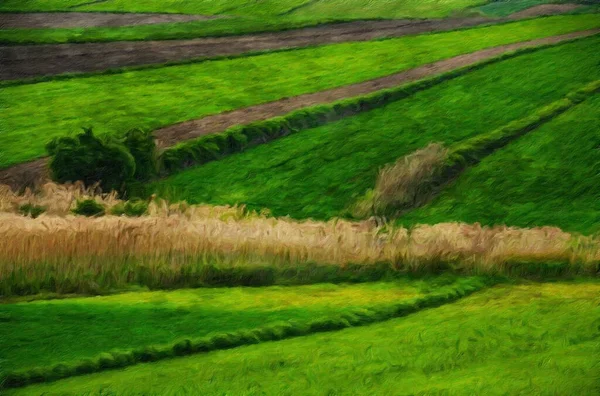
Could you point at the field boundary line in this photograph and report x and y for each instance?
(273, 332)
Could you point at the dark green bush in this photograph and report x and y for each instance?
(142, 147)
(31, 210)
(89, 207)
(90, 159)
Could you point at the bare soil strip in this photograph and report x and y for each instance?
(30, 172)
(545, 9)
(36, 20)
(26, 61)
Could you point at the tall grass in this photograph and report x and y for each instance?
(404, 183)
(61, 199)
(88, 255)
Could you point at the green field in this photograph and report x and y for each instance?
(162, 96)
(239, 16)
(548, 177)
(49, 332)
(320, 172)
(206, 28)
(267, 8)
(265, 297)
(523, 339)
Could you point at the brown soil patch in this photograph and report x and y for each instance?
(30, 172)
(89, 19)
(545, 9)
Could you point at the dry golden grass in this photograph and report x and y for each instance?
(174, 244)
(60, 199)
(165, 245)
(405, 183)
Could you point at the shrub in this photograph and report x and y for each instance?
(142, 147)
(32, 210)
(90, 159)
(89, 207)
(133, 208)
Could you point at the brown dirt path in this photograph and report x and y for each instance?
(28, 61)
(30, 172)
(545, 9)
(36, 20)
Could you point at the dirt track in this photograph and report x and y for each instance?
(36, 20)
(29, 172)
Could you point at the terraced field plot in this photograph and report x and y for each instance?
(50, 332)
(163, 96)
(321, 172)
(508, 339)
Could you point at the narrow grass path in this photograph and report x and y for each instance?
(510, 339)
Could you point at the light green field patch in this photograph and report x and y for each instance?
(273, 8)
(526, 339)
(48, 332)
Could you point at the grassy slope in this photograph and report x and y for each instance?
(47, 332)
(158, 97)
(305, 8)
(549, 177)
(528, 339)
(319, 172)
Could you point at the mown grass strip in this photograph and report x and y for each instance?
(284, 330)
(75, 328)
(236, 139)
